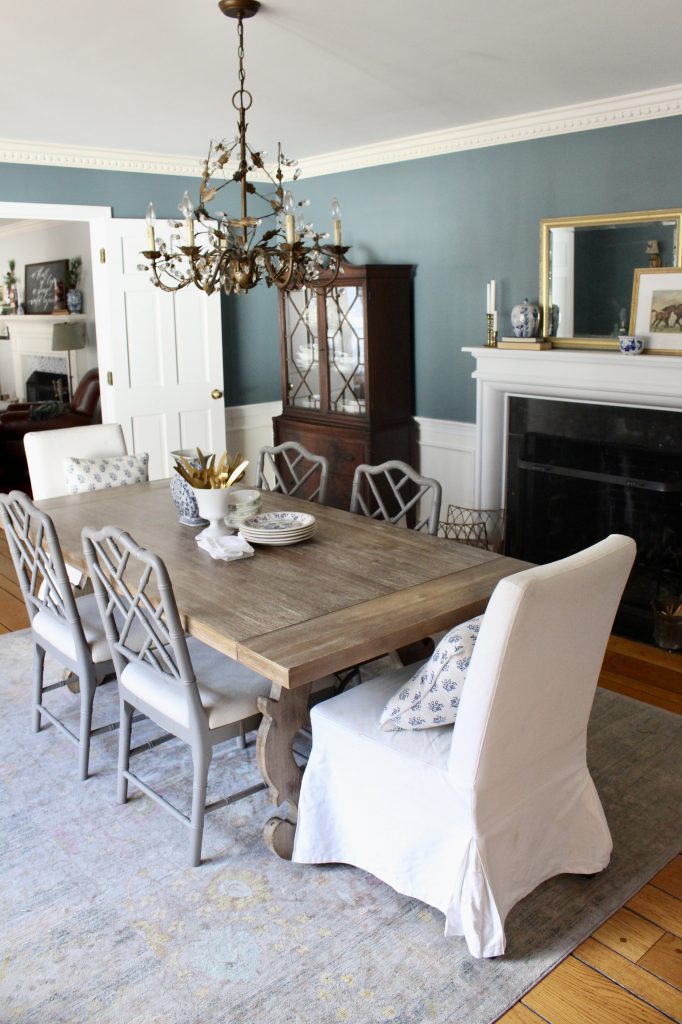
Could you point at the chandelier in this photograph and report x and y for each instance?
(234, 253)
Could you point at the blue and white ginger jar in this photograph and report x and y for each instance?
(525, 320)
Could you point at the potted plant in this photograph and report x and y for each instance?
(668, 623)
(12, 299)
(74, 297)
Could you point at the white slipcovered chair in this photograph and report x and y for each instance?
(470, 818)
(47, 450)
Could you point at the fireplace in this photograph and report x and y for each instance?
(584, 380)
(577, 472)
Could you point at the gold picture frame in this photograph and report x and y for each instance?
(656, 311)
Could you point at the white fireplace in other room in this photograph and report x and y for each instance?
(645, 381)
(30, 341)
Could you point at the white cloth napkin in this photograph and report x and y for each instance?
(225, 546)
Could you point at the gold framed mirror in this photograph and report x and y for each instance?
(587, 267)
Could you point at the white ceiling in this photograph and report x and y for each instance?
(157, 75)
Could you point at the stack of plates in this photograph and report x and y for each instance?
(242, 505)
(278, 528)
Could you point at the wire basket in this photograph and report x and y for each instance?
(478, 527)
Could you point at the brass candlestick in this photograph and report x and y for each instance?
(491, 341)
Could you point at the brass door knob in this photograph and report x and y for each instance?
(216, 393)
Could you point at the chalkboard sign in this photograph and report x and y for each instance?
(40, 282)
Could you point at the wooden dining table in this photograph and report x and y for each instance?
(357, 589)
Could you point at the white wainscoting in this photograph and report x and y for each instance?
(447, 450)
(248, 428)
(446, 447)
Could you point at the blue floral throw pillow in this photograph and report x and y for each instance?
(98, 474)
(431, 697)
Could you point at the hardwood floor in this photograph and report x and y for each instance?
(630, 970)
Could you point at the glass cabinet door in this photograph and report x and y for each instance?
(303, 355)
(346, 349)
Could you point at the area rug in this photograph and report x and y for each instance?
(101, 920)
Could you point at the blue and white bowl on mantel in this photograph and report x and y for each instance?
(182, 494)
(630, 344)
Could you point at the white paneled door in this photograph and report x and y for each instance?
(160, 354)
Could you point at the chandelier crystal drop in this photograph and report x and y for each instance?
(216, 250)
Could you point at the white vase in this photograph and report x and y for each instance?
(213, 504)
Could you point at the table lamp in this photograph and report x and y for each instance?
(66, 337)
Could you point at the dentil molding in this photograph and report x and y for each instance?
(616, 110)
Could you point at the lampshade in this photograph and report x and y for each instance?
(67, 336)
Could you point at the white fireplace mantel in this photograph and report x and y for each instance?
(31, 335)
(572, 375)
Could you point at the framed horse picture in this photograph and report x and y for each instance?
(46, 285)
(656, 313)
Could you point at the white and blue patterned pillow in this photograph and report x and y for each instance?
(431, 697)
(98, 474)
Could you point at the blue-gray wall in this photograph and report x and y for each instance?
(461, 219)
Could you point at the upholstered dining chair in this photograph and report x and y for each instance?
(191, 691)
(290, 468)
(68, 628)
(471, 817)
(47, 450)
(392, 491)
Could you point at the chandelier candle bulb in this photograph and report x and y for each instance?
(336, 219)
(151, 222)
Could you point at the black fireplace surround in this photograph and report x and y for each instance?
(577, 472)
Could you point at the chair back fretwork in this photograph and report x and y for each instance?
(396, 493)
(139, 611)
(290, 468)
(37, 558)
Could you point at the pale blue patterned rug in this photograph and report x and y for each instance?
(101, 921)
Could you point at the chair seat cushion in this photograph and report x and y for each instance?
(98, 474)
(58, 632)
(431, 697)
(228, 690)
(356, 713)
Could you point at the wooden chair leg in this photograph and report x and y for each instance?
(125, 729)
(202, 759)
(38, 668)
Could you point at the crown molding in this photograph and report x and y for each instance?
(27, 227)
(48, 154)
(616, 110)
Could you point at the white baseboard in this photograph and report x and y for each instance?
(446, 447)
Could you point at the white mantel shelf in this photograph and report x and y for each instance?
(29, 318)
(578, 375)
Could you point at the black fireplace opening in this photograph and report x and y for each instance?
(42, 386)
(577, 472)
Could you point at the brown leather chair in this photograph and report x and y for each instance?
(83, 410)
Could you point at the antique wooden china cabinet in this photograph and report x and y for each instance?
(347, 371)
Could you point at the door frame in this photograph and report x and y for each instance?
(58, 211)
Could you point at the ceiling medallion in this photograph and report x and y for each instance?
(235, 252)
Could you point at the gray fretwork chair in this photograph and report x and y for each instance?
(392, 490)
(188, 689)
(288, 467)
(63, 626)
